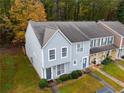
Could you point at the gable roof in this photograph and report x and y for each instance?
(48, 34)
(115, 25)
(74, 31)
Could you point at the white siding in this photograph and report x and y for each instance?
(33, 49)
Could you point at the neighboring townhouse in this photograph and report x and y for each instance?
(56, 48)
(101, 41)
(117, 29)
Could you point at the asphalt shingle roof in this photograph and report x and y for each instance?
(92, 29)
(74, 31)
(116, 26)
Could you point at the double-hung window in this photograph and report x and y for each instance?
(80, 47)
(94, 42)
(110, 40)
(91, 43)
(52, 54)
(99, 42)
(60, 69)
(64, 51)
(106, 39)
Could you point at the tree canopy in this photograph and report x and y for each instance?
(120, 11)
(15, 14)
(16, 19)
(81, 9)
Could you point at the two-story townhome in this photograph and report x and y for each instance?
(56, 48)
(117, 29)
(101, 41)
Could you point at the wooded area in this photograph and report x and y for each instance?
(15, 14)
(81, 9)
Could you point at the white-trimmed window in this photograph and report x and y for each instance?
(103, 42)
(110, 41)
(91, 43)
(75, 62)
(64, 52)
(94, 42)
(60, 69)
(52, 54)
(79, 47)
(106, 39)
(98, 42)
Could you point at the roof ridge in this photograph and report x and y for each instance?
(79, 30)
(50, 27)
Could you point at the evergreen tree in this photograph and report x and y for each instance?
(120, 11)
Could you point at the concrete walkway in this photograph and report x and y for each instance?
(53, 87)
(111, 77)
(101, 81)
(120, 66)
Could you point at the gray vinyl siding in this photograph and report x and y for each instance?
(57, 41)
(67, 70)
(78, 56)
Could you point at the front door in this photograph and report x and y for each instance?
(48, 73)
(84, 62)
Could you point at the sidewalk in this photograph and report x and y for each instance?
(53, 87)
(101, 81)
(120, 66)
(111, 77)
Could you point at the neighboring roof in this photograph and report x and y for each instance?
(105, 90)
(92, 29)
(71, 32)
(102, 48)
(74, 31)
(116, 26)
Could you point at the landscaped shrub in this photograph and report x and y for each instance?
(122, 57)
(43, 83)
(75, 74)
(65, 77)
(58, 81)
(106, 61)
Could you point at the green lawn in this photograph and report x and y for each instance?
(114, 70)
(17, 74)
(87, 84)
(109, 81)
(121, 63)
